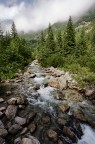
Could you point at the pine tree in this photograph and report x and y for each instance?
(93, 37)
(69, 42)
(42, 39)
(81, 47)
(59, 43)
(14, 33)
(1, 32)
(50, 43)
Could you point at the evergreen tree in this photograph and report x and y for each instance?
(14, 33)
(59, 43)
(93, 37)
(42, 39)
(1, 32)
(50, 43)
(81, 47)
(69, 42)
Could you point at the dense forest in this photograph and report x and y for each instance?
(72, 49)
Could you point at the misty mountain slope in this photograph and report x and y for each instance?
(89, 15)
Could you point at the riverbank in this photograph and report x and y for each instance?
(45, 105)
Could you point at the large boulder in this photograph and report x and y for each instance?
(11, 112)
(54, 83)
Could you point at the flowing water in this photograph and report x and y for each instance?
(45, 98)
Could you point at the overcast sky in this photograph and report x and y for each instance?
(37, 14)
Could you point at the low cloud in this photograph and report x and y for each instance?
(37, 15)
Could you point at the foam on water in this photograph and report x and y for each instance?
(39, 80)
(88, 135)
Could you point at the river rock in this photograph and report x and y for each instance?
(2, 141)
(30, 140)
(1, 114)
(59, 95)
(1, 125)
(80, 116)
(17, 141)
(52, 135)
(90, 94)
(12, 101)
(14, 129)
(54, 83)
(32, 76)
(62, 82)
(20, 121)
(22, 100)
(61, 142)
(3, 132)
(36, 87)
(1, 100)
(46, 119)
(31, 117)
(32, 128)
(11, 111)
(26, 141)
(67, 132)
(24, 131)
(64, 107)
(2, 109)
(61, 121)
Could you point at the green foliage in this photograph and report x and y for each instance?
(14, 54)
(50, 43)
(81, 45)
(59, 48)
(69, 40)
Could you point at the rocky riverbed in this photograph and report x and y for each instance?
(46, 106)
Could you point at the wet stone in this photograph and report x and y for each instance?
(1, 125)
(2, 109)
(20, 121)
(67, 132)
(61, 121)
(46, 119)
(3, 132)
(64, 107)
(14, 129)
(26, 141)
(52, 135)
(24, 131)
(32, 128)
(17, 141)
(12, 101)
(1, 100)
(11, 111)
(2, 141)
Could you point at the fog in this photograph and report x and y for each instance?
(39, 13)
